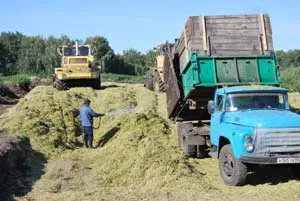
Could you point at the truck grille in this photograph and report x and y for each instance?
(277, 140)
(78, 61)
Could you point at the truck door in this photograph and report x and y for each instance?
(215, 127)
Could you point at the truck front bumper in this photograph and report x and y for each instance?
(267, 159)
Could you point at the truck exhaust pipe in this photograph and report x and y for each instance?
(76, 46)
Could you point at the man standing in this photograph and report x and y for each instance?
(86, 118)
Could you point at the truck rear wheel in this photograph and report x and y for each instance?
(96, 83)
(295, 169)
(182, 130)
(189, 150)
(149, 82)
(233, 171)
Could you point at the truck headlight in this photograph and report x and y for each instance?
(249, 146)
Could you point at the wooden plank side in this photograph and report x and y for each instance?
(222, 27)
(183, 59)
(268, 24)
(264, 41)
(171, 85)
(228, 32)
(231, 35)
(236, 46)
(232, 19)
(235, 53)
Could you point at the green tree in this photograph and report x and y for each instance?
(118, 65)
(103, 53)
(150, 58)
(65, 40)
(31, 55)
(288, 59)
(50, 57)
(136, 59)
(3, 58)
(10, 43)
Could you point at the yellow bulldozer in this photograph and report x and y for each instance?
(154, 76)
(77, 68)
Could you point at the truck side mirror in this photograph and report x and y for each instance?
(211, 106)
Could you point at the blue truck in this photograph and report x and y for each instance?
(229, 103)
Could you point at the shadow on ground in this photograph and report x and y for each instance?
(23, 169)
(7, 96)
(110, 86)
(105, 138)
(272, 174)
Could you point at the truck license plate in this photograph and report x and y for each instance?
(288, 160)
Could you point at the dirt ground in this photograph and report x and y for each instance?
(136, 155)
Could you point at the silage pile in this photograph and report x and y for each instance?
(136, 157)
(294, 100)
(136, 147)
(49, 118)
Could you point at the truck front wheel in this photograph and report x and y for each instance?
(60, 85)
(149, 84)
(233, 171)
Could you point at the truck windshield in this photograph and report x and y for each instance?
(71, 51)
(256, 101)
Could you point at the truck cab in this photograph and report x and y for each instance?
(253, 125)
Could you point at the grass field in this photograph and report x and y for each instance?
(122, 78)
(14, 79)
(290, 79)
(20, 79)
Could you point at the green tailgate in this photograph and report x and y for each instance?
(212, 71)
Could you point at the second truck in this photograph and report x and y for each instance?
(154, 76)
(222, 85)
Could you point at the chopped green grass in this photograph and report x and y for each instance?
(136, 157)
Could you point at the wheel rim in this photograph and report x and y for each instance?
(228, 165)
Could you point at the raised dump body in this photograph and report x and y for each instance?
(225, 35)
(217, 51)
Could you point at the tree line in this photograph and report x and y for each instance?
(289, 58)
(37, 55)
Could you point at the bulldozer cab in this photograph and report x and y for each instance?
(160, 51)
(77, 68)
(82, 51)
(74, 57)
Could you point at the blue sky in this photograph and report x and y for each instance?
(140, 24)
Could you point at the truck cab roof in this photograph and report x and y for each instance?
(251, 88)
